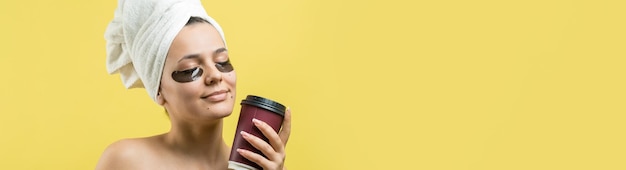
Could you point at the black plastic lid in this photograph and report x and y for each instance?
(265, 104)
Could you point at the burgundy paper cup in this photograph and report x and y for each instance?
(260, 108)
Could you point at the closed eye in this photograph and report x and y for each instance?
(225, 66)
(188, 75)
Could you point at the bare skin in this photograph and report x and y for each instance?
(196, 111)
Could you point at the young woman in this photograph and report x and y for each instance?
(195, 83)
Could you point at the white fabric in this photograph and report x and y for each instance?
(139, 37)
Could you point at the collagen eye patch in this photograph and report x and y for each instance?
(224, 67)
(193, 74)
(188, 75)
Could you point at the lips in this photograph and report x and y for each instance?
(217, 96)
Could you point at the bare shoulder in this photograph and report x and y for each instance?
(128, 154)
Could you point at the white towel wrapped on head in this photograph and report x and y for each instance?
(139, 37)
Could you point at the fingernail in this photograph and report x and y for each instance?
(256, 121)
(244, 134)
(239, 150)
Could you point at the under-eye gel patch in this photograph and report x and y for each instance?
(188, 75)
(193, 74)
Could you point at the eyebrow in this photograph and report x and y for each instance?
(195, 56)
(219, 50)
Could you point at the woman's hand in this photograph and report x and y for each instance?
(275, 150)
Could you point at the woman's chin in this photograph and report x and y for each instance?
(219, 111)
(222, 114)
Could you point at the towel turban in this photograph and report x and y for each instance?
(139, 37)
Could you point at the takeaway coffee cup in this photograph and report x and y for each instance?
(260, 108)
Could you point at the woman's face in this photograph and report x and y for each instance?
(198, 81)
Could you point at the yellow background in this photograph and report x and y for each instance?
(389, 84)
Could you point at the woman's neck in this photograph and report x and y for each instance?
(203, 141)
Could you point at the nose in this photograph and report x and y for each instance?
(213, 76)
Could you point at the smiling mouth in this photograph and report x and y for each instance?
(217, 96)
